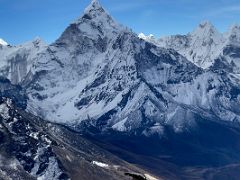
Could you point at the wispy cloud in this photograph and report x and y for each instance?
(123, 7)
(225, 10)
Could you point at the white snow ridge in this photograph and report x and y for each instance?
(3, 43)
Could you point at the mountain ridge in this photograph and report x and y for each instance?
(204, 45)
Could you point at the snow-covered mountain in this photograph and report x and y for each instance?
(229, 58)
(201, 46)
(16, 61)
(100, 74)
(149, 38)
(205, 46)
(163, 104)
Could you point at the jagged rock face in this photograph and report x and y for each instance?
(233, 35)
(230, 54)
(15, 92)
(16, 61)
(206, 47)
(27, 149)
(98, 72)
(201, 46)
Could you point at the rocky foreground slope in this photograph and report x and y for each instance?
(31, 148)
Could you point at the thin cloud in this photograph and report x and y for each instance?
(123, 7)
(225, 10)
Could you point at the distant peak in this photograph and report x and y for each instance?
(37, 39)
(205, 28)
(143, 36)
(151, 35)
(94, 10)
(206, 24)
(3, 43)
(95, 3)
(235, 28)
(233, 34)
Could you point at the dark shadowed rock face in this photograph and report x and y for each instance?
(15, 92)
(209, 150)
(16, 61)
(231, 51)
(27, 147)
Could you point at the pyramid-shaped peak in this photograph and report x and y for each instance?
(95, 3)
(204, 29)
(94, 11)
(233, 35)
(94, 6)
(95, 22)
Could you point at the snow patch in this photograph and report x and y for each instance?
(100, 164)
(4, 111)
(2, 42)
(120, 126)
(149, 177)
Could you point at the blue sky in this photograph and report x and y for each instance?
(23, 20)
